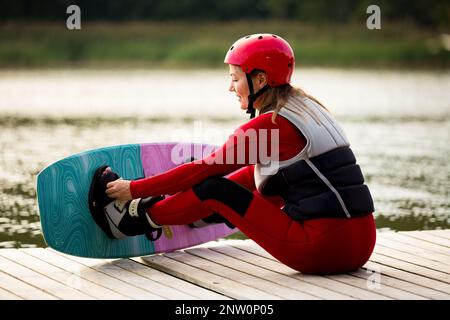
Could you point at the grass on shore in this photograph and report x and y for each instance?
(184, 45)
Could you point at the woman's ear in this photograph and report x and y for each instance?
(262, 79)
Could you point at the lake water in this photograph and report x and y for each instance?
(398, 123)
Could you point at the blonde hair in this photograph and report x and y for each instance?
(275, 98)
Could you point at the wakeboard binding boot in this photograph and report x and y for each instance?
(120, 219)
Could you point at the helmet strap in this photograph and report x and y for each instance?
(253, 96)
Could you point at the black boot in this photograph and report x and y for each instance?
(119, 219)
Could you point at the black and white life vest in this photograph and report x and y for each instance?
(323, 180)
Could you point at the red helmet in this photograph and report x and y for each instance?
(266, 52)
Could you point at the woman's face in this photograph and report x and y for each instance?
(239, 85)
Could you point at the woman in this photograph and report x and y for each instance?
(307, 204)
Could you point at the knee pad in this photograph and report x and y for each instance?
(225, 191)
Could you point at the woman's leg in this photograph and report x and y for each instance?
(244, 177)
(259, 219)
(301, 246)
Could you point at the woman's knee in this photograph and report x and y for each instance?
(225, 191)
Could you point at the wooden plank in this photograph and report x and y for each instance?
(156, 289)
(106, 280)
(414, 259)
(205, 279)
(426, 283)
(418, 292)
(412, 268)
(112, 290)
(147, 282)
(412, 265)
(23, 289)
(40, 281)
(142, 286)
(366, 283)
(68, 278)
(6, 295)
(252, 247)
(399, 237)
(439, 233)
(358, 283)
(396, 273)
(399, 246)
(408, 273)
(238, 276)
(428, 237)
(267, 274)
(61, 261)
(275, 266)
(168, 280)
(272, 264)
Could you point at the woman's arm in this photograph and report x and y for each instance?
(236, 153)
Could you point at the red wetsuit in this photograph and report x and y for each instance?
(323, 245)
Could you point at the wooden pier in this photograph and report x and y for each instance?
(404, 265)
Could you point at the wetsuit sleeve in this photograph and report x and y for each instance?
(244, 177)
(181, 177)
(240, 150)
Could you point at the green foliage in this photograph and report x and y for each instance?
(183, 44)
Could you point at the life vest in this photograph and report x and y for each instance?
(323, 180)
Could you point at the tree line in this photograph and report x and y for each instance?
(426, 13)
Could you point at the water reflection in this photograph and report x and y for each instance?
(412, 222)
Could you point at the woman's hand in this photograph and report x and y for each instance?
(119, 189)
